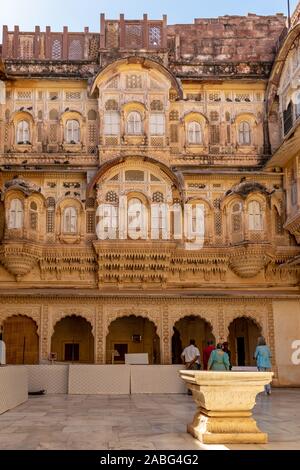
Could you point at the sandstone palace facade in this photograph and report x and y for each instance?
(201, 118)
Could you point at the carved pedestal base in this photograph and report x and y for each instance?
(225, 401)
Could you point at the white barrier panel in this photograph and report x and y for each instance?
(51, 378)
(157, 379)
(13, 387)
(99, 380)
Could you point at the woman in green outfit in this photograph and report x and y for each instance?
(218, 359)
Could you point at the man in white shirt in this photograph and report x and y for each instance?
(191, 356)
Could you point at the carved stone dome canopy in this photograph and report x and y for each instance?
(244, 188)
(22, 185)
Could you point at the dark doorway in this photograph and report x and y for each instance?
(122, 350)
(240, 345)
(72, 352)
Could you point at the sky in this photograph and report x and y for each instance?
(79, 13)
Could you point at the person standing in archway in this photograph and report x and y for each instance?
(219, 359)
(207, 352)
(263, 359)
(226, 350)
(191, 356)
(2, 349)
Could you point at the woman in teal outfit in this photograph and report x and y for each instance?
(263, 359)
(218, 359)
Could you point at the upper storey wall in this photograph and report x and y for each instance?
(248, 43)
(229, 38)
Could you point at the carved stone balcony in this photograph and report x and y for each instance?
(293, 226)
(19, 257)
(248, 260)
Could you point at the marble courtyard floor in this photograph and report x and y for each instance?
(146, 422)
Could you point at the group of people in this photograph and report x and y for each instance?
(219, 358)
(214, 358)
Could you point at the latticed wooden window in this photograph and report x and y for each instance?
(111, 196)
(90, 215)
(112, 35)
(90, 222)
(174, 133)
(237, 217)
(50, 216)
(218, 223)
(75, 50)
(56, 49)
(73, 95)
(214, 116)
(133, 36)
(174, 116)
(218, 217)
(24, 95)
(214, 134)
(53, 133)
(156, 105)
(194, 133)
(92, 129)
(157, 124)
(33, 216)
(158, 197)
(133, 81)
(155, 36)
(26, 47)
(244, 133)
(112, 123)
(278, 223)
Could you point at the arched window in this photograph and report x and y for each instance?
(72, 132)
(70, 220)
(244, 133)
(134, 123)
(33, 215)
(23, 134)
(194, 133)
(255, 216)
(157, 124)
(112, 123)
(137, 219)
(16, 214)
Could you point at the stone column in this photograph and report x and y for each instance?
(100, 339)
(166, 338)
(45, 339)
